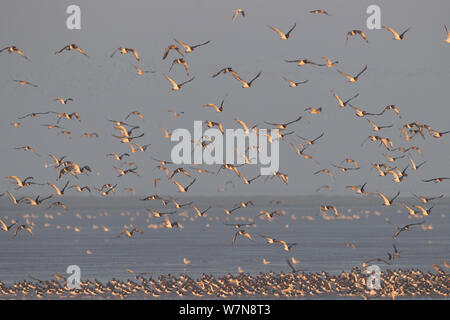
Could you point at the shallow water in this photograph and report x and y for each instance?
(320, 243)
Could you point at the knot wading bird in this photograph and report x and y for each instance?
(244, 83)
(353, 78)
(25, 228)
(188, 48)
(63, 100)
(239, 225)
(342, 103)
(436, 180)
(283, 36)
(320, 11)
(181, 188)
(330, 64)
(396, 35)
(302, 62)
(131, 233)
(425, 199)
(447, 34)
(224, 70)
(388, 202)
(404, 228)
(25, 83)
(59, 192)
(283, 126)
(22, 183)
(71, 47)
(172, 47)
(236, 13)
(140, 71)
(123, 50)
(176, 86)
(212, 105)
(180, 61)
(5, 227)
(354, 33)
(241, 233)
(12, 49)
(294, 84)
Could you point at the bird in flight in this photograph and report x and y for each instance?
(212, 105)
(404, 228)
(224, 70)
(283, 126)
(239, 225)
(135, 113)
(176, 114)
(123, 50)
(176, 86)
(413, 164)
(70, 47)
(28, 148)
(128, 233)
(188, 48)
(436, 180)
(158, 214)
(23, 227)
(312, 141)
(25, 83)
(269, 215)
(355, 32)
(388, 202)
(313, 110)
(179, 170)
(244, 83)
(140, 71)
(326, 208)
(396, 35)
(342, 103)
(172, 47)
(282, 35)
(393, 108)
(59, 192)
(118, 157)
(124, 172)
(80, 189)
(358, 189)
(320, 11)
(236, 13)
(361, 113)
(183, 62)
(425, 199)
(181, 188)
(200, 213)
(12, 49)
(330, 64)
(294, 84)
(5, 227)
(229, 212)
(353, 78)
(447, 34)
(62, 100)
(302, 62)
(14, 200)
(241, 233)
(437, 134)
(22, 183)
(377, 127)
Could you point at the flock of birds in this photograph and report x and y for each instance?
(395, 283)
(400, 164)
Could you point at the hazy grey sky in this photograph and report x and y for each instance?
(412, 74)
